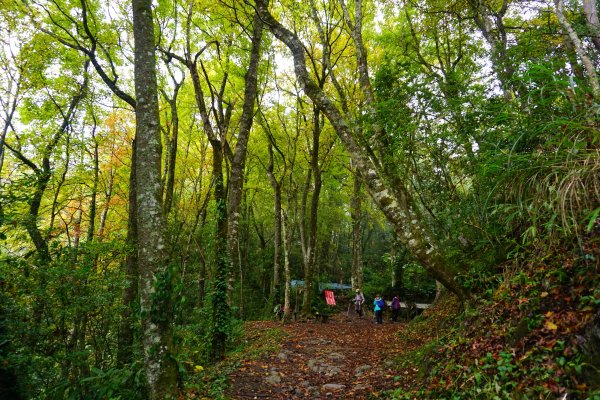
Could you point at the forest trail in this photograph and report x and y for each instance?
(345, 358)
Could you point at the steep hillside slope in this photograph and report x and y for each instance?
(535, 335)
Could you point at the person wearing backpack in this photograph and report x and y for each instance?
(359, 299)
(395, 308)
(378, 306)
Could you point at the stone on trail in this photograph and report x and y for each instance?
(332, 370)
(333, 386)
(362, 386)
(274, 378)
(336, 356)
(361, 370)
(320, 366)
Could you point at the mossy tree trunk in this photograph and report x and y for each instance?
(155, 275)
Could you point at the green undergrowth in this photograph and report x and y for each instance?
(210, 381)
(529, 338)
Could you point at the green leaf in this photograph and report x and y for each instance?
(593, 216)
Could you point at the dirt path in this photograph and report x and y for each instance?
(341, 359)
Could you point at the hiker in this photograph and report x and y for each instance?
(279, 312)
(395, 308)
(378, 306)
(359, 299)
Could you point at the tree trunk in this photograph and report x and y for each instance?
(94, 197)
(588, 65)
(125, 341)
(108, 196)
(310, 234)
(591, 17)
(356, 216)
(156, 282)
(172, 150)
(238, 163)
(11, 104)
(491, 25)
(277, 239)
(220, 306)
(31, 223)
(287, 247)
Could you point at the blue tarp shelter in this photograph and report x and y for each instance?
(323, 285)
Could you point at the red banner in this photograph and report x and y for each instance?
(329, 297)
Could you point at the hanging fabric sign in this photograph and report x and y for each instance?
(329, 297)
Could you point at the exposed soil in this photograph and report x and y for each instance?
(345, 358)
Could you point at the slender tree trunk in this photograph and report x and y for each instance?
(59, 185)
(172, 157)
(238, 163)
(287, 235)
(9, 113)
(201, 205)
(156, 281)
(74, 368)
(356, 216)
(277, 239)
(304, 243)
(309, 236)
(108, 196)
(77, 227)
(94, 196)
(171, 141)
(31, 223)
(126, 340)
(220, 306)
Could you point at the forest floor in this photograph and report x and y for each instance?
(343, 358)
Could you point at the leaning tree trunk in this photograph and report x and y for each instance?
(394, 200)
(12, 99)
(156, 282)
